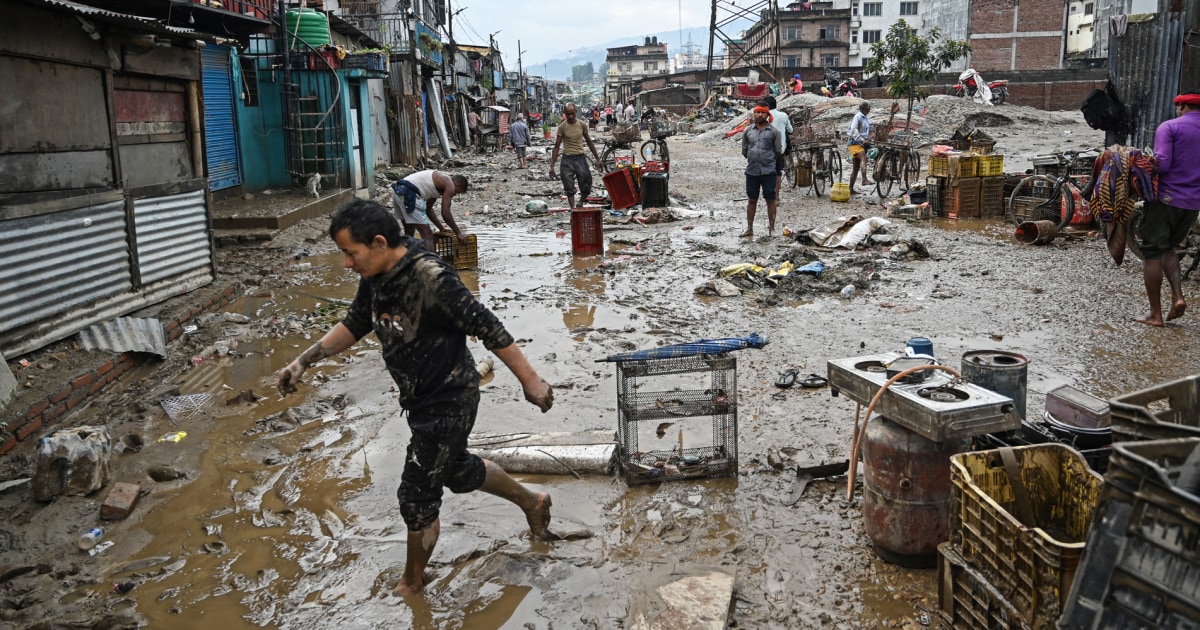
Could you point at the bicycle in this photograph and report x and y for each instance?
(1046, 198)
(623, 138)
(821, 159)
(655, 149)
(898, 162)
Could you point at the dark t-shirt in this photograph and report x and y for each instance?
(422, 315)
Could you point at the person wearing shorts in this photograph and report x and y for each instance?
(422, 314)
(572, 136)
(761, 146)
(518, 134)
(410, 198)
(1167, 221)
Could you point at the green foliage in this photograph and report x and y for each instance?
(582, 72)
(909, 61)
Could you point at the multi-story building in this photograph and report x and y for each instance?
(871, 19)
(627, 64)
(809, 34)
(1081, 20)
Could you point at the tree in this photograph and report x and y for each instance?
(582, 72)
(909, 60)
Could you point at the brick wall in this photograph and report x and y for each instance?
(997, 17)
(43, 413)
(1048, 95)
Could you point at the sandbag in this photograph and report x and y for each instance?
(72, 462)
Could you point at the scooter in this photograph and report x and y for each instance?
(969, 82)
(835, 85)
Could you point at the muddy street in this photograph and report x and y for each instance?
(285, 512)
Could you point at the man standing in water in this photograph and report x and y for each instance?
(1167, 221)
(422, 315)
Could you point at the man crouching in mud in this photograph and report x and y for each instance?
(422, 315)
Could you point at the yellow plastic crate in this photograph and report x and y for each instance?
(953, 166)
(461, 255)
(989, 165)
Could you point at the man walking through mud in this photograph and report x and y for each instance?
(422, 315)
(411, 196)
(860, 134)
(1167, 220)
(572, 135)
(761, 146)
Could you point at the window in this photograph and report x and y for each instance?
(870, 37)
(831, 60)
(1088, 9)
(872, 8)
(249, 80)
(908, 8)
(790, 61)
(853, 37)
(793, 32)
(831, 32)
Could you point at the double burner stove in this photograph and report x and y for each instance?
(933, 403)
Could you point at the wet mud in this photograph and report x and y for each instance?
(284, 513)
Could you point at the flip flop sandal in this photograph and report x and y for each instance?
(787, 378)
(812, 380)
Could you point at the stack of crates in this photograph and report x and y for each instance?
(1001, 571)
(991, 196)
(1142, 565)
(682, 392)
(935, 191)
(972, 186)
(962, 199)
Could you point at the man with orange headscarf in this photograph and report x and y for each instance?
(1167, 220)
(761, 146)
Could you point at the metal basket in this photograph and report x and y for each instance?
(626, 133)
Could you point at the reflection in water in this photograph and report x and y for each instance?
(582, 276)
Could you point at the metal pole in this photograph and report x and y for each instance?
(712, 31)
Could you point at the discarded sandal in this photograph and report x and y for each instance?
(812, 380)
(787, 378)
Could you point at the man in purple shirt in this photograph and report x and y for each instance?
(1167, 221)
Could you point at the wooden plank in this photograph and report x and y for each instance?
(148, 106)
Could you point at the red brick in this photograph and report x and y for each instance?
(170, 326)
(77, 397)
(36, 409)
(24, 432)
(8, 445)
(60, 395)
(120, 501)
(55, 412)
(105, 367)
(97, 386)
(126, 357)
(83, 381)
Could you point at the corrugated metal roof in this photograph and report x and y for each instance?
(126, 334)
(113, 16)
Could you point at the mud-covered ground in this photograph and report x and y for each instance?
(294, 523)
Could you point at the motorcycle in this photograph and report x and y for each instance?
(835, 85)
(968, 85)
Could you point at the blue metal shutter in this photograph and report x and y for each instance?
(220, 133)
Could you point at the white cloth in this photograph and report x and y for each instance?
(629, 113)
(423, 180)
(860, 128)
(782, 124)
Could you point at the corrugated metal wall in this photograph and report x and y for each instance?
(220, 134)
(172, 235)
(55, 262)
(1144, 66)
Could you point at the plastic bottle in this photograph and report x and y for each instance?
(90, 538)
(847, 292)
(485, 366)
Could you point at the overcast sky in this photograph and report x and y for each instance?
(547, 28)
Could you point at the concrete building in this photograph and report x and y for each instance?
(627, 64)
(871, 19)
(690, 58)
(1081, 21)
(810, 34)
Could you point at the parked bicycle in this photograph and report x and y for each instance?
(898, 163)
(821, 161)
(1046, 198)
(655, 149)
(619, 145)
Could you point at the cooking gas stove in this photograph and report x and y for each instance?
(939, 407)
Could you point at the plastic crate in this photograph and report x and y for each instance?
(1032, 564)
(1142, 565)
(935, 189)
(587, 232)
(961, 200)
(967, 601)
(318, 60)
(954, 166)
(655, 166)
(654, 190)
(366, 61)
(461, 255)
(683, 391)
(1164, 411)
(621, 189)
(989, 165)
(991, 197)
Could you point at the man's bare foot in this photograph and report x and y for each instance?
(1150, 320)
(747, 234)
(538, 517)
(1177, 310)
(404, 589)
(771, 231)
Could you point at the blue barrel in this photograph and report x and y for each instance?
(921, 345)
(1006, 373)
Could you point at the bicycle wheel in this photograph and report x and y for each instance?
(650, 151)
(886, 174)
(835, 165)
(608, 160)
(1038, 198)
(819, 173)
(912, 168)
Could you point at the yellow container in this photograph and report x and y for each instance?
(839, 192)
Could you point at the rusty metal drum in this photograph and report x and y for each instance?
(1006, 373)
(906, 493)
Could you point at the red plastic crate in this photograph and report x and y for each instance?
(621, 189)
(656, 167)
(587, 232)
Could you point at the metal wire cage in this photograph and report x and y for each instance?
(661, 404)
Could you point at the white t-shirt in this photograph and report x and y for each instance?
(860, 128)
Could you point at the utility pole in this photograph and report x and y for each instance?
(712, 33)
(521, 74)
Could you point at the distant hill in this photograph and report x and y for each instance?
(559, 67)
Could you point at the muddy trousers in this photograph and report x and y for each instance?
(437, 458)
